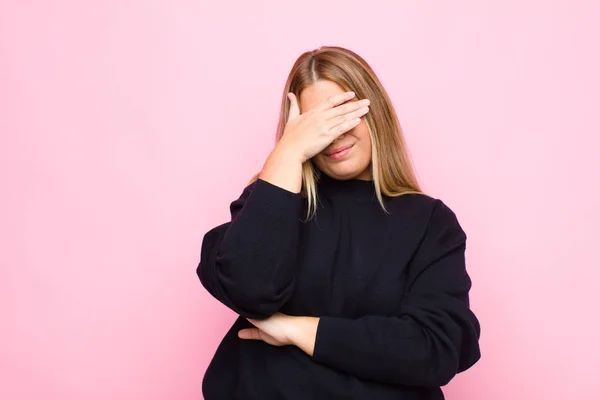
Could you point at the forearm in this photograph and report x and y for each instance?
(393, 350)
(402, 355)
(283, 168)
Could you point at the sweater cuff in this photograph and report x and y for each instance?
(328, 339)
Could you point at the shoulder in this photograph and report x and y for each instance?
(237, 204)
(418, 205)
(427, 215)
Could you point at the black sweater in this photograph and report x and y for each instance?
(391, 291)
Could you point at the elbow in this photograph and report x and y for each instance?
(451, 363)
(258, 301)
(255, 290)
(430, 373)
(445, 366)
(435, 369)
(246, 297)
(445, 374)
(445, 356)
(439, 373)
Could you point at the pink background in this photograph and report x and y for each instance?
(127, 127)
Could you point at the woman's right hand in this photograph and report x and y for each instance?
(309, 133)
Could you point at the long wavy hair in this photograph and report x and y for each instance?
(391, 166)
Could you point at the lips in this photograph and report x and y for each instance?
(339, 149)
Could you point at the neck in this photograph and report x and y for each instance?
(354, 188)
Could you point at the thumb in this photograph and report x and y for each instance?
(294, 109)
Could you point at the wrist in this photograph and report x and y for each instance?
(303, 333)
(284, 169)
(287, 152)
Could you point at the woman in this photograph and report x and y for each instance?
(350, 282)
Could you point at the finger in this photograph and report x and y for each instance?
(342, 119)
(335, 101)
(294, 108)
(250, 334)
(346, 108)
(340, 129)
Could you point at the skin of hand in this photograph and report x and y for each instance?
(309, 133)
(284, 330)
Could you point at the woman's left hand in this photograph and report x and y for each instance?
(282, 330)
(274, 330)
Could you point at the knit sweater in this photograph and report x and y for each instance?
(391, 290)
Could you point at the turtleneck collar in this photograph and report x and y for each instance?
(349, 188)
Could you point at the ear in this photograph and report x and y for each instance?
(294, 107)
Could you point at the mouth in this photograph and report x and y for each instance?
(340, 152)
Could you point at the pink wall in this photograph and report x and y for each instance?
(127, 127)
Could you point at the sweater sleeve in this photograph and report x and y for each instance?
(434, 336)
(248, 263)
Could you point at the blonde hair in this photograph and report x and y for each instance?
(391, 167)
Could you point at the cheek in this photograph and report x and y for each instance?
(361, 132)
(364, 139)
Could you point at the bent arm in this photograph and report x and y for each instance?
(248, 264)
(435, 335)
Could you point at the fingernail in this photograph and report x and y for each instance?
(350, 94)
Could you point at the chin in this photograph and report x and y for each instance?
(345, 169)
(339, 172)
